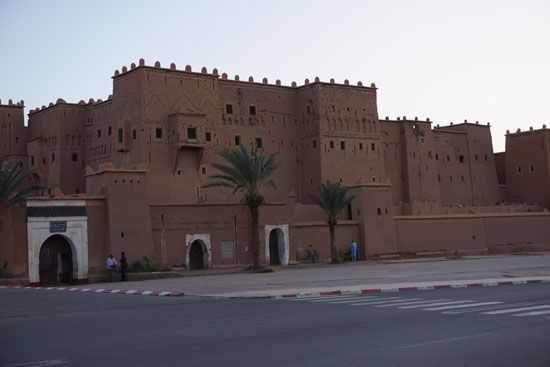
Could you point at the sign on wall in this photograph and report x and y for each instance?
(228, 249)
(58, 226)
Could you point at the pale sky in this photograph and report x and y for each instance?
(447, 60)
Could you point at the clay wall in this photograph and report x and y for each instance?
(528, 167)
(13, 133)
(453, 167)
(61, 126)
(98, 240)
(13, 240)
(317, 235)
(470, 232)
(224, 223)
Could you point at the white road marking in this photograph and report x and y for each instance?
(497, 307)
(52, 362)
(146, 293)
(412, 303)
(513, 310)
(334, 299)
(353, 300)
(163, 294)
(435, 304)
(533, 313)
(99, 290)
(376, 302)
(442, 341)
(461, 306)
(321, 298)
(381, 303)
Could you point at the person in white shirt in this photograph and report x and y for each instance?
(112, 266)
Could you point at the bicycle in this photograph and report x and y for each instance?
(311, 255)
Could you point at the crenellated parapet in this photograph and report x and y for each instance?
(237, 78)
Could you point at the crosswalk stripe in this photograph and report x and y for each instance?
(337, 299)
(412, 303)
(460, 306)
(496, 307)
(435, 304)
(512, 310)
(376, 302)
(381, 303)
(533, 313)
(353, 300)
(311, 298)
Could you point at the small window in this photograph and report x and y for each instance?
(350, 212)
(252, 110)
(314, 143)
(475, 157)
(43, 160)
(360, 146)
(17, 139)
(462, 178)
(134, 134)
(158, 133)
(331, 144)
(203, 170)
(437, 157)
(109, 130)
(99, 133)
(229, 109)
(448, 158)
(308, 108)
(372, 146)
(237, 140)
(191, 133)
(438, 178)
(531, 168)
(120, 133)
(429, 154)
(32, 160)
(461, 158)
(208, 136)
(333, 108)
(75, 157)
(379, 211)
(485, 157)
(451, 178)
(518, 169)
(53, 157)
(259, 142)
(343, 145)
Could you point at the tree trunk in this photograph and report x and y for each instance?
(254, 210)
(333, 252)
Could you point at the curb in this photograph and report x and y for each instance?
(100, 290)
(384, 290)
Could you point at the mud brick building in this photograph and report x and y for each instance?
(126, 174)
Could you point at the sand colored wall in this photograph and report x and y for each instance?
(13, 241)
(528, 166)
(317, 234)
(470, 232)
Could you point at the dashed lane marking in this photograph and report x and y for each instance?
(514, 310)
(435, 304)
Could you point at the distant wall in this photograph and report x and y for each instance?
(317, 235)
(470, 232)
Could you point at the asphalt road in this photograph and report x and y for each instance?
(500, 326)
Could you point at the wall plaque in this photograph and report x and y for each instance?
(58, 226)
(228, 249)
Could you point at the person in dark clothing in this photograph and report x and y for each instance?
(123, 267)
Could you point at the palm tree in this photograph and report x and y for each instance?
(332, 199)
(247, 173)
(12, 184)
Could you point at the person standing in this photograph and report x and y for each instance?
(123, 267)
(111, 267)
(353, 251)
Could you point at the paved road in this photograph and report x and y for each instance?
(501, 326)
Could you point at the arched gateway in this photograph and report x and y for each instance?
(57, 234)
(276, 244)
(56, 261)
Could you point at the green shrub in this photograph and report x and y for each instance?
(261, 269)
(4, 271)
(146, 265)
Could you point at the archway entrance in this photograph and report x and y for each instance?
(274, 258)
(198, 256)
(55, 261)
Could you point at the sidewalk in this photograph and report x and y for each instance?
(350, 278)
